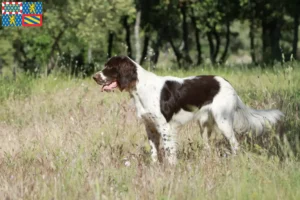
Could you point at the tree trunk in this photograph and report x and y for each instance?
(185, 33)
(271, 29)
(156, 46)
(51, 63)
(251, 35)
(295, 39)
(211, 47)
(275, 41)
(224, 55)
(14, 71)
(176, 52)
(110, 44)
(0, 67)
(264, 40)
(155, 56)
(217, 37)
(197, 38)
(19, 52)
(145, 48)
(137, 36)
(90, 54)
(127, 37)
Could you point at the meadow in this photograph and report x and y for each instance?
(61, 138)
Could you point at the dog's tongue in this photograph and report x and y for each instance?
(109, 87)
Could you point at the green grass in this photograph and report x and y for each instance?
(60, 138)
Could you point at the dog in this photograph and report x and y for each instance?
(165, 103)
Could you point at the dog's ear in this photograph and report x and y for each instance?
(127, 76)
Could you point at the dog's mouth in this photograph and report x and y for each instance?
(109, 86)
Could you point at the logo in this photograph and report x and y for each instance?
(22, 13)
(32, 8)
(11, 20)
(11, 8)
(32, 20)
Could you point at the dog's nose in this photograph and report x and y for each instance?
(96, 77)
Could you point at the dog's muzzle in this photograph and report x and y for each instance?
(98, 78)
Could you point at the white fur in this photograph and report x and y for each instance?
(226, 113)
(104, 78)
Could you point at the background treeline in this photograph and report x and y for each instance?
(78, 35)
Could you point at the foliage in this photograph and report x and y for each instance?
(77, 36)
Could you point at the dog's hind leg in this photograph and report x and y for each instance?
(205, 132)
(223, 108)
(225, 125)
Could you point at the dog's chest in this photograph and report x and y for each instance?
(147, 106)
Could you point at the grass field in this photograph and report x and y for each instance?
(60, 138)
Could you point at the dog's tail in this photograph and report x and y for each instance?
(256, 121)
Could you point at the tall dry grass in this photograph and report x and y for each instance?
(62, 139)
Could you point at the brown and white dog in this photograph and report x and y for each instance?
(165, 103)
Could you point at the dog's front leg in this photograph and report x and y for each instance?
(168, 134)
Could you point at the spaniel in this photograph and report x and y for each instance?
(164, 103)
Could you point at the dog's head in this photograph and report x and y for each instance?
(119, 71)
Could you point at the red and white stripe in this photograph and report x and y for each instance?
(3, 7)
(12, 3)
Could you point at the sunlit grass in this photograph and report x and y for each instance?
(61, 138)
